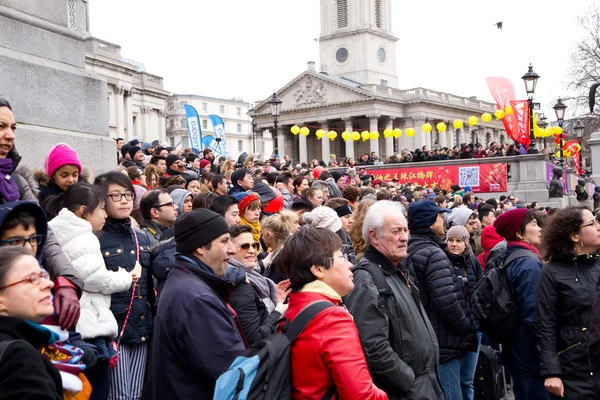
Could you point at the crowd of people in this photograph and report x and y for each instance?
(148, 281)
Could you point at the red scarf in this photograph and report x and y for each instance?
(526, 246)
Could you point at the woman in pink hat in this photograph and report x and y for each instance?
(62, 169)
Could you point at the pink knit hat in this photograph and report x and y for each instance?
(59, 155)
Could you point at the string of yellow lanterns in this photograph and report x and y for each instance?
(426, 128)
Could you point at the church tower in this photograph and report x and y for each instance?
(356, 41)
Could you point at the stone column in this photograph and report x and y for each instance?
(419, 138)
(146, 115)
(129, 114)
(442, 136)
(120, 110)
(325, 147)
(280, 141)
(162, 135)
(303, 149)
(349, 142)
(374, 126)
(389, 142)
(260, 148)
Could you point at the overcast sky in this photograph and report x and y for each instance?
(242, 48)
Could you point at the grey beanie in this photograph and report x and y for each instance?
(323, 217)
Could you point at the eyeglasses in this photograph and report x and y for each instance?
(35, 279)
(34, 240)
(169, 204)
(117, 197)
(593, 223)
(343, 257)
(246, 246)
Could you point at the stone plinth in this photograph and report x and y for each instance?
(594, 143)
(43, 76)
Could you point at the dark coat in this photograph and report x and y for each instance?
(196, 337)
(467, 267)
(117, 244)
(523, 275)
(402, 357)
(162, 261)
(24, 373)
(154, 230)
(442, 296)
(594, 340)
(565, 295)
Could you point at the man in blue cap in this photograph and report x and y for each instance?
(441, 292)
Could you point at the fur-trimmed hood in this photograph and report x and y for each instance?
(27, 174)
(43, 180)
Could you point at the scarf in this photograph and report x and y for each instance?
(256, 232)
(266, 288)
(9, 190)
(526, 246)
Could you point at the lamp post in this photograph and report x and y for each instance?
(252, 113)
(275, 106)
(579, 129)
(543, 123)
(530, 78)
(559, 109)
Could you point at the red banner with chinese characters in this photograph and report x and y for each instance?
(482, 178)
(521, 110)
(503, 92)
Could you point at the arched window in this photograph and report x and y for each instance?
(378, 18)
(342, 13)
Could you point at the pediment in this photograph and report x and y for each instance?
(311, 90)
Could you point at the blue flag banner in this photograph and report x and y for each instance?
(219, 146)
(193, 123)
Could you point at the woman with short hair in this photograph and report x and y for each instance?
(565, 294)
(327, 356)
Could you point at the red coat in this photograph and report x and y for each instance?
(328, 351)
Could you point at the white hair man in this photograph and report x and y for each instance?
(399, 341)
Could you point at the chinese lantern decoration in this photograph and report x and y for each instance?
(426, 127)
(320, 134)
(441, 127)
(332, 135)
(295, 129)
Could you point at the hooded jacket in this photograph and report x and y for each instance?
(49, 252)
(82, 248)
(489, 239)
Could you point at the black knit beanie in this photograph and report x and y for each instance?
(198, 228)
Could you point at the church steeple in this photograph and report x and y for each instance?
(356, 41)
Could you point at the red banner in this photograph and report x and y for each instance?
(503, 92)
(521, 111)
(482, 178)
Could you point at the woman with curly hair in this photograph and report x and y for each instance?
(565, 294)
(356, 229)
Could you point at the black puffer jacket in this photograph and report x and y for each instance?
(441, 294)
(469, 267)
(565, 294)
(117, 244)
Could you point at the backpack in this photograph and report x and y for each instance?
(493, 304)
(263, 371)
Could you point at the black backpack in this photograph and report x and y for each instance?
(493, 303)
(263, 371)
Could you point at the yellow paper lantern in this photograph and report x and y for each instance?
(458, 123)
(365, 135)
(388, 133)
(557, 130)
(486, 117)
(346, 135)
(508, 110)
(473, 120)
(355, 136)
(332, 135)
(441, 127)
(410, 132)
(374, 135)
(304, 131)
(426, 127)
(320, 133)
(295, 129)
(499, 114)
(397, 132)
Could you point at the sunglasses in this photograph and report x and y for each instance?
(246, 246)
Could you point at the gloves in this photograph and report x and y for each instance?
(66, 303)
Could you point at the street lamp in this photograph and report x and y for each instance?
(579, 128)
(530, 78)
(543, 124)
(275, 106)
(252, 113)
(559, 109)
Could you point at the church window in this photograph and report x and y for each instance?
(342, 13)
(341, 55)
(381, 56)
(378, 20)
(72, 14)
(185, 141)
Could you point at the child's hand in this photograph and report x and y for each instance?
(136, 272)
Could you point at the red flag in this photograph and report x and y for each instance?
(503, 92)
(521, 112)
